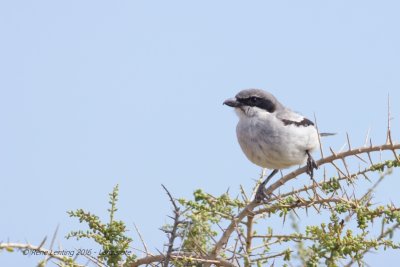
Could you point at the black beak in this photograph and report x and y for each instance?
(232, 102)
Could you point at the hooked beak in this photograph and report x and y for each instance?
(232, 102)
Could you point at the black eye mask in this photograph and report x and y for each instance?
(262, 103)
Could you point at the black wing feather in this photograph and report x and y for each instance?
(305, 122)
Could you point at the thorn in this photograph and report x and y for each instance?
(348, 141)
(165, 230)
(42, 243)
(367, 136)
(333, 152)
(319, 136)
(54, 237)
(360, 158)
(388, 133)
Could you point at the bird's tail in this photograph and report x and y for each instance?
(326, 134)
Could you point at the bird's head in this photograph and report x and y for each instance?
(252, 102)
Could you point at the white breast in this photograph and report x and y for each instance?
(268, 143)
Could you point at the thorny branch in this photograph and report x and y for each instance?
(185, 256)
(244, 247)
(249, 237)
(315, 185)
(250, 211)
(252, 205)
(172, 233)
(25, 248)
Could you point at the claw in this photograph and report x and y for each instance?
(261, 193)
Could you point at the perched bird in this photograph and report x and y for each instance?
(271, 135)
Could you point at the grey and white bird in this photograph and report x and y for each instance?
(271, 135)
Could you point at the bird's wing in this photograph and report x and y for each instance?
(289, 117)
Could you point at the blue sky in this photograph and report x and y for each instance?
(99, 93)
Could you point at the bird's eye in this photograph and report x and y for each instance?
(253, 99)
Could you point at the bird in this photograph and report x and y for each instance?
(271, 135)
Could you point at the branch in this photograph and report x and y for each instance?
(315, 185)
(142, 240)
(273, 256)
(252, 205)
(303, 203)
(183, 256)
(249, 238)
(291, 237)
(330, 159)
(47, 252)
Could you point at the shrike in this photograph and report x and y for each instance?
(271, 135)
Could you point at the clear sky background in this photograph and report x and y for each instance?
(99, 93)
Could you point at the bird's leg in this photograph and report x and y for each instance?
(260, 194)
(311, 165)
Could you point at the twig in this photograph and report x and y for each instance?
(293, 237)
(173, 232)
(381, 236)
(142, 240)
(272, 256)
(25, 247)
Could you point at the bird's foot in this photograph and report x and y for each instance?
(311, 165)
(261, 194)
